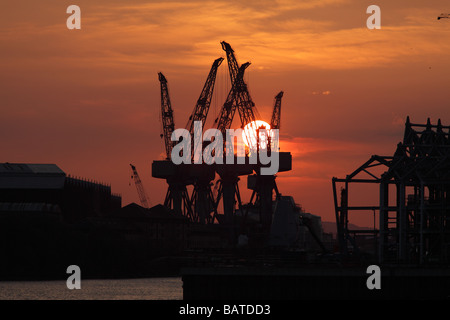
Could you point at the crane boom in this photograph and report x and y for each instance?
(233, 65)
(167, 116)
(246, 106)
(201, 109)
(140, 188)
(228, 109)
(276, 114)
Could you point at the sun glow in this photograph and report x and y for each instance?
(249, 134)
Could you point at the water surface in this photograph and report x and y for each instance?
(116, 289)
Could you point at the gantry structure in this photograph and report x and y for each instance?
(202, 206)
(413, 191)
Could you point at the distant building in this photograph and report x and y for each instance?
(47, 186)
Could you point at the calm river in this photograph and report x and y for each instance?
(122, 289)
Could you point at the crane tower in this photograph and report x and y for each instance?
(140, 188)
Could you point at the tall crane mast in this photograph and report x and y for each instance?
(140, 188)
(275, 121)
(244, 102)
(201, 108)
(226, 115)
(264, 185)
(233, 65)
(228, 188)
(167, 116)
(276, 113)
(202, 199)
(177, 198)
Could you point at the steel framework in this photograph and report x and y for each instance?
(414, 199)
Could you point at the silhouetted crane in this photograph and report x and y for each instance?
(443, 16)
(201, 108)
(167, 116)
(245, 105)
(238, 98)
(202, 198)
(178, 177)
(276, 113)
(226, 114)
(177, 197)
(140, 188)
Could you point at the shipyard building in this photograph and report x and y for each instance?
(45, 187)
(50, 220)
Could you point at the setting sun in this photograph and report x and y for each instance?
(249, 134)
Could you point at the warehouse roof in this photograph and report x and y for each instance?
(27, 168)
(31, 176)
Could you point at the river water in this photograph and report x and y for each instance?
(120, 289)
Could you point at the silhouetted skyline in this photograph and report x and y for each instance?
(88, 100)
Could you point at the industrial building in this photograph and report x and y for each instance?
(49, 220)
(23, 186)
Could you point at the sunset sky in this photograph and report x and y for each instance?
(89, 100)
